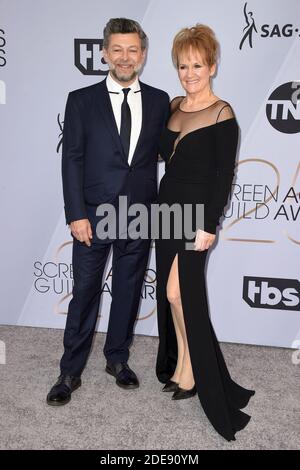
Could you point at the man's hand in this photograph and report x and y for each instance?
(203, 240)
(82, 231)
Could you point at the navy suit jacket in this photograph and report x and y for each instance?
(94, 167)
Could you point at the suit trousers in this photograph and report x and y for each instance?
(128, 265)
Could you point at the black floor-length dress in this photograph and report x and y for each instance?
(200, 150)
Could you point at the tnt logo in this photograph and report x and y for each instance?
(2, 353)
(2, 92)
(264, 292)
(89, 58)
(283, 108)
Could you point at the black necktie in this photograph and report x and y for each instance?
(125, 130)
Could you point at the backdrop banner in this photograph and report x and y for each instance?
(50, 47)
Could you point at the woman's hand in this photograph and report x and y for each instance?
(203, 240)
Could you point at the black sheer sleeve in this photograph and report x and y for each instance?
(226, 141)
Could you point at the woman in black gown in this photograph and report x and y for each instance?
(199, 146)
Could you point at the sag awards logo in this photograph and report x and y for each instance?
(271, 293)
(89, 57)
(56, 277)
(251, 30)
(283, 108)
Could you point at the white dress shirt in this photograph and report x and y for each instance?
(134, 100)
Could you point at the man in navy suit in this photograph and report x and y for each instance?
(110, 149)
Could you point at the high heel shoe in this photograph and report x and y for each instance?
(182, 394)
(170, 386)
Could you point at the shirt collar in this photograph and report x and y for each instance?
(115, 87)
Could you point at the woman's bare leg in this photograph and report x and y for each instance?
(183, 373)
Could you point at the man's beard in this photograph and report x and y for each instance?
(122, 77)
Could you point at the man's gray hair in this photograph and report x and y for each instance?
(123, 26)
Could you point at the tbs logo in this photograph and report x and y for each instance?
(268, 292)
(89, 57)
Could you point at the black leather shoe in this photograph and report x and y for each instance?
(60, 393)
(170, 386)
(125, 377)
(181, 394)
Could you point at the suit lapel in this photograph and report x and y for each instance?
(104, 106)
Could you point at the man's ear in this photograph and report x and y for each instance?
(104, 52)
(144, 54)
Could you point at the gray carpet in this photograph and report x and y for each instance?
(103, 416)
